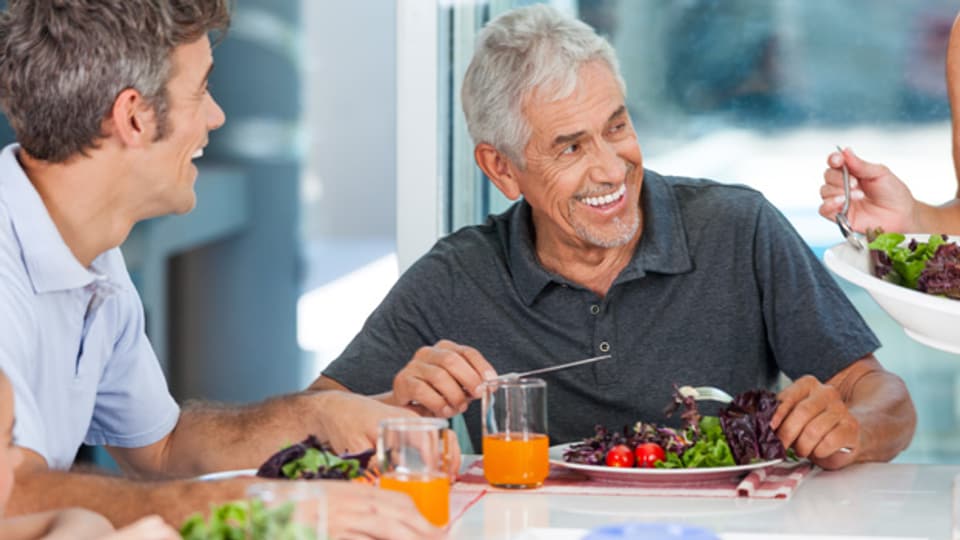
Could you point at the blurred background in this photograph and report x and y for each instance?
(344, 156)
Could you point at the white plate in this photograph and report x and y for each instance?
(931, 320)
(635, 475)
(223, 475)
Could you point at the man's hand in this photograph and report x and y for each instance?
(443, 379)
(813, 419)
(148, 528)
(358, 511)
(350, 421)
(878, 198)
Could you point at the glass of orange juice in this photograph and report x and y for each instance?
(413, 454)
(515, 442)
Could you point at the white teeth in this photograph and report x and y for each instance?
(606, 199)
(198, 153)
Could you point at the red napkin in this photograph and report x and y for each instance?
(461, 501)
(774, 482)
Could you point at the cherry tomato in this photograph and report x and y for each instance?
(647, 454)
(620, 456)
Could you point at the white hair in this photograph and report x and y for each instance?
(526, 49)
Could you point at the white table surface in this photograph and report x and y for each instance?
(872, 500)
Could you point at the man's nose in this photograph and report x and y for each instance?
(215, 115)
(608, 165)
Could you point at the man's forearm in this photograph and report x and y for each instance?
(211, 437)
(881, 404)
(326, 383)
(121, 501)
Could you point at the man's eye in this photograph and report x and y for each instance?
(618, 128)
(572, 149)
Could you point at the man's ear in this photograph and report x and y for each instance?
(132, 119)
(499, 169)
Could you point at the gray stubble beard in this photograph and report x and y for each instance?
(625, 231)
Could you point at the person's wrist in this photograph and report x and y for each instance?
(924, 218)
(391, 398)
(319, 405)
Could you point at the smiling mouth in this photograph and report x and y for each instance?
(197, 154)
(604, 200)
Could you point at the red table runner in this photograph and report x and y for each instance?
(774, 482)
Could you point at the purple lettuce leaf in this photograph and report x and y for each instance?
(942, 272)
(882, 265)
(690, 415)
(593, 450)
(273, 466)
(746, 425)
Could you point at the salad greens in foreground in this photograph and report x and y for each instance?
(251, 520)
(740, 435)
(932, 267)
(247, 520)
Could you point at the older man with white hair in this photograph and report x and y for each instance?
(681, 280)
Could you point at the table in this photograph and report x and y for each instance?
(873, 499)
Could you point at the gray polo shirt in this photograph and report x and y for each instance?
(721, 291)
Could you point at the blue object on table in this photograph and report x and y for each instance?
(650, 531)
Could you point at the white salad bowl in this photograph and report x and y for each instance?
(929, 319)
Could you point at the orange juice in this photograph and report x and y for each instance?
(516, 459)
(431, 494)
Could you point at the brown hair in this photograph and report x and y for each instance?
(64, 62)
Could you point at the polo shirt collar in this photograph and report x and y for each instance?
(528, 275)
(662, 247)
(50, 264)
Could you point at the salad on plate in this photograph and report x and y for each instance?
(932, 267)
(739, 436)
(311, 459)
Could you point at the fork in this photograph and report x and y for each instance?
(845, 228)
(710, 393)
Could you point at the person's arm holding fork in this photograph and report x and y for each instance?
(879, 197)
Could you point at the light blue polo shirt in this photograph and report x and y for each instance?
(72, 339)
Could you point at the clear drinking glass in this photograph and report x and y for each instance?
(414, 454)
(295, 510)
(515, 442)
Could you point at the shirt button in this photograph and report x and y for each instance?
(604, 347)
(594, 309)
